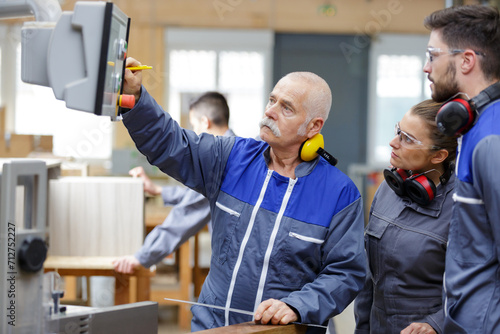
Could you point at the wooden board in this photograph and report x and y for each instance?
(95, 216)
(250, 327)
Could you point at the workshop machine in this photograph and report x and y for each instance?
(22, 245)
(81, 55)
(29, 299)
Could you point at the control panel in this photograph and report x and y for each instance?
(82, 57)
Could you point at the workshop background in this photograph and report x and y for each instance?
(371, 52)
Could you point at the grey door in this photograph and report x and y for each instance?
(344, 65)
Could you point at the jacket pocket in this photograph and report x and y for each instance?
(306, 238)
(299, 253)
(226, 217)
(207, 317)
(472, 237)
(373, 233)
(227, 210)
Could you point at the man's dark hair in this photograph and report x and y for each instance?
(214, 106)
(473, 27)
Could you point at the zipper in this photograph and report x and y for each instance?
(270, 245)
(243, 245)
(306, 238)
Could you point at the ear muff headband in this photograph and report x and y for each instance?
(313, 147)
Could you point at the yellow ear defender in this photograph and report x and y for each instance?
(313, 147)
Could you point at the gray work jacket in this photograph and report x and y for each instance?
(406, 248)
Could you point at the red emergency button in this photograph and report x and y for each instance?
(126, 101)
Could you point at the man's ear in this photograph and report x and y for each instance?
(205, 123)
(468, 61)
(314, 126)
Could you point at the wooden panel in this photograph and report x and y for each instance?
(2, 120)
(96, 264)
(20, 146)
(146, 45)
(155, 215)
(44, 144)
(215, 14)
(250, 327)
(17, 146)
(279, 15)
(90, 216)
(354, 17)
(70, 288)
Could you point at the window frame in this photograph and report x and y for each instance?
(389, 44)
(220, 40)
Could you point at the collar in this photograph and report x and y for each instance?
(303, 169)
(434, 208)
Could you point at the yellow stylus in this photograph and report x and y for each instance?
(140, 68)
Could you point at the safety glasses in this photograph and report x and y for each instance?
(433, 53)
(408, 141)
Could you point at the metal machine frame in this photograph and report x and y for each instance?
(21, 287)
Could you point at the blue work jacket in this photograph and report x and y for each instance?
(472, 281)
(297, 240)
(189, 214)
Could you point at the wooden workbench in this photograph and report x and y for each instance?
(102, 266)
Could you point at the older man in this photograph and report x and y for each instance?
(287, 238)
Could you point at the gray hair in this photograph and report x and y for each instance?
(319, 96)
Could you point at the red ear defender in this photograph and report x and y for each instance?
(395, 178)
(458, 115)
(420, 189)
(417, 187)
(455, 117)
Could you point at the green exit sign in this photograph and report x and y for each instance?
(327, 10)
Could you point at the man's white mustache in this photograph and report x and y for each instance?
(271, 125)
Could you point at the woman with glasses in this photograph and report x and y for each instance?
(407, 231)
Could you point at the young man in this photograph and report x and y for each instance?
(287, 241)
(209, 113)
(463, 50)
